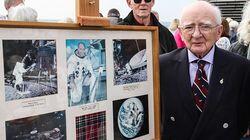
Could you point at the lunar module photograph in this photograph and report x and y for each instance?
(130, 61)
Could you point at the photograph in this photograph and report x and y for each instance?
(130, 117)
(130, 61)
(91, 126)
(86, 71)
(29, 68)
(50, 126)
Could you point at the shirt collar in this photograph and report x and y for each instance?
(209, 57)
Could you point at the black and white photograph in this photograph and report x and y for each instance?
(86, 71)
(130, 61)
(51, 126)
(130, 117)
(29, 68)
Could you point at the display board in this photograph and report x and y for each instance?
(61, 81)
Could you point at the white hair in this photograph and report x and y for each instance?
(216, 11)
(217, 14)
(244, 27)
(233, 24)
(21, 12)
(229, 19)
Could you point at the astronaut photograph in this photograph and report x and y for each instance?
(130, 61)
(86, 71)
(29, 68)
(51, 126)
(130, 117)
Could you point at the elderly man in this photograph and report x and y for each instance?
(204, 89)
(18, 11)
(141, 16)
(114, 16)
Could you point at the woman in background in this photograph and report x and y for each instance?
(224, 41)
(241, 47)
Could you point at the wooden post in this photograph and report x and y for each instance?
(87, 13)
(87, 8)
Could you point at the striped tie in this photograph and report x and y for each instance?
(200, 85)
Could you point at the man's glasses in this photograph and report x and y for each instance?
(139, 1)
(204, 28)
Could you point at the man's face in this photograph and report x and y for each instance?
(199, 30)
(81, 49)
(141, 9)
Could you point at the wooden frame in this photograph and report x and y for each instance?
(153, 31)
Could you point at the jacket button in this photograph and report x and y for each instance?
(172, 119)
(225, 125)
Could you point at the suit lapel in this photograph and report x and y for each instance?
(185, 90)
(216, 86)
(215, 91)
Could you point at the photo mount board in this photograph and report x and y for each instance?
(60, 32)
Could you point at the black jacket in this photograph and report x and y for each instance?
(239, 48)
(226, 113)
(166, 39)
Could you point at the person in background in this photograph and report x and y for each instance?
(19, 12)
(174, 25)
(233, 31)
(204, 90)
(224, 41)
(141, 16)
(229, 19)
(114, 16)
(100, 15)
(178, 39)
(176, 32)
(241, 47)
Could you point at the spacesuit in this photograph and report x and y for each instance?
(18, 73)
(80, 75)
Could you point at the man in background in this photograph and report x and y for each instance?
(114, 16)
(141, 16)
(18, 11)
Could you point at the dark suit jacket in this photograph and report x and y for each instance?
(226, 112)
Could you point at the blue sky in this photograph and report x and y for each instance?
(60, 9)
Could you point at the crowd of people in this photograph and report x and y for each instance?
(204, 69)
(234, 37)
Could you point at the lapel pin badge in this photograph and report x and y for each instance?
(221, 81)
